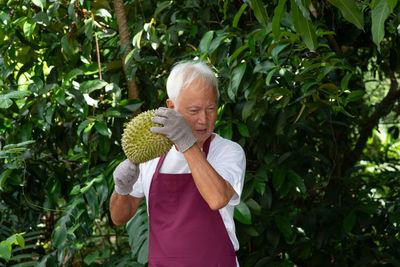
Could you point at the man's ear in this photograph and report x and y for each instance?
(170, 104)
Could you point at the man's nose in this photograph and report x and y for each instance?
(203, 118)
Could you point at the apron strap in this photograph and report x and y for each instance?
(206, 147)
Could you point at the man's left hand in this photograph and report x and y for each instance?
(174, 127)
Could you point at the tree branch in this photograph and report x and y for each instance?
(351, 158)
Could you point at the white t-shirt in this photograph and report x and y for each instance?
(225, 156)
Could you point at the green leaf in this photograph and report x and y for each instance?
(278, 178)
(5, 18)
(144, 252)
(392, 4)
(341, 109)
(242, 213)
(102, 128)
(276, 20)
(71, 11)
(112, 113)
(92, 201)
(259, 12)
(19, 240)
(137, 229)
(75, 190)
(131, 105)
(345, 81)
(269, 77)
(379, 15)
(29, 28)
(102, 189)
(243, 129)
(251, 230)
(66, 46)
(236, 78)
(254, 205)
(5, 250)
(252, 44)
(11, 239)
(90, 101)
(93, 85)
(90, 183)
(238, 15)
(89, 29)
(277, 50)
(5, 102)
(304, 27)
(264, 66)
(86, 133)
(349, 222)
(394, 218)
(350, 12)
(60, 235)
(91, 257)
(39, 3)
(285, 227)
(42, 18)
(238, 52)
(303, 7)
(355, 95)
(297, 181)
(49, 114)
(205, 42)
(3, 177)
(18, 145)
(217, 41)
(103, 13)
(372, 207)
(226, 130)
(160, 7)
(259, 186)
(247, 109)
(53, 9)
(72, 74)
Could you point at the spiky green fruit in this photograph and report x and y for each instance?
(139, 143)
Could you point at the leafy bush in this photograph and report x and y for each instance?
(308, 88)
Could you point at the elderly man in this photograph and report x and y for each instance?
(191, 191)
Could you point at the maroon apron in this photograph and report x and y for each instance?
(184, 231)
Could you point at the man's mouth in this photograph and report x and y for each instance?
(201, 131)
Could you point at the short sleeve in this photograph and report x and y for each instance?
(138, 190)
(229, 161)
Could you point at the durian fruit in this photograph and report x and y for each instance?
(139, 143)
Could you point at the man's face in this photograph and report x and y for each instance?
(198, 104)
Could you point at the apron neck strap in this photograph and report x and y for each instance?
(206, 147)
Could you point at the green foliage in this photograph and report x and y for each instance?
(138, 231)
(350, 12)
(6, 245)
(321, 140)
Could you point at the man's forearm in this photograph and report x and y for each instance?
(123, 207)
(215, 190)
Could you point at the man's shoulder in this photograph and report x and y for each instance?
(220, 143)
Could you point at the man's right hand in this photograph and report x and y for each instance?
(125, 176)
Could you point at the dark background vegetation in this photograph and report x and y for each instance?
(308, 88)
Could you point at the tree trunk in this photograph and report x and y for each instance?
(133, 92)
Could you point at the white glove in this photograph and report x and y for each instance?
(174, 127)
(125, 176)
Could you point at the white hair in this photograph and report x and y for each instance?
(183, 73)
